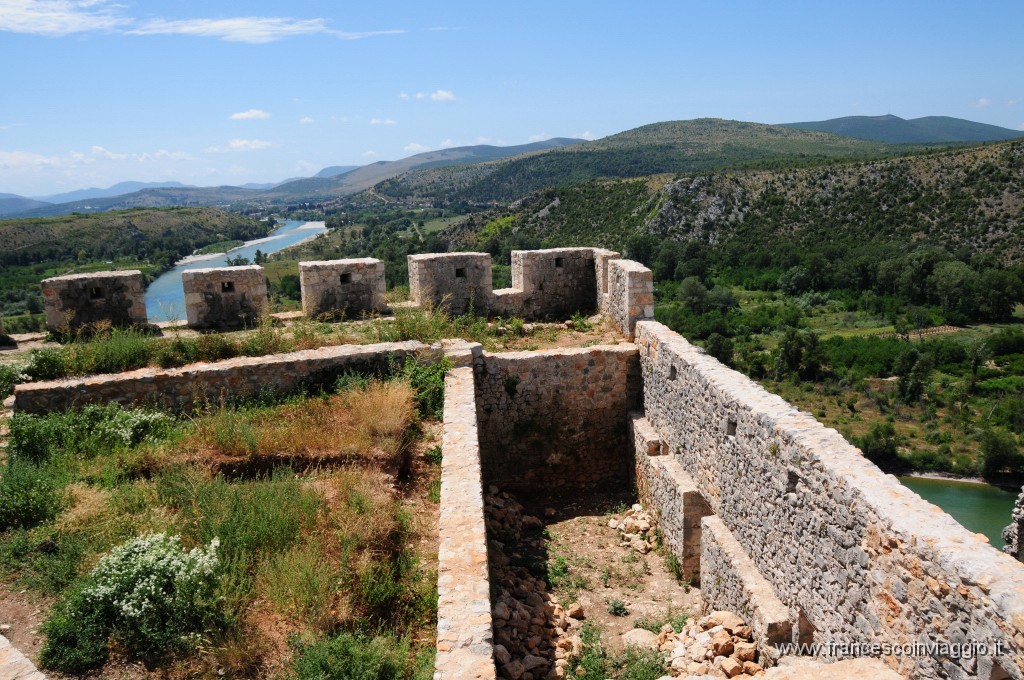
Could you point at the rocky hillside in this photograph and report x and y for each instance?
(671, 147)
(142, 233)
(967, 198)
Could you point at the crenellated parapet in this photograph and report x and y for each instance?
(78, 300)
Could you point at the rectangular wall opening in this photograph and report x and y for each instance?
(96, 293)
(227, 286)
(559, 262)
(460, 272)
(346, 278)
(730, 427)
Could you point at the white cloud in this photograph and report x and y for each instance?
(240, 145)
(306, 120)
(983, 102)
(436, 95)
(585, 135)
(483, 140)
(10, 126)
(381, 121)
(537, 138)
(369, 154)
(26, 160)
(100, 152)
(1013, 102)
(1021, 126)
(252, 30)
(65, 17)
(447, 144)
(415, 148)
(59, 17)
(251, 114)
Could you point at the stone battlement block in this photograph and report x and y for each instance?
(81, 299)
(224, 298)
(459, 282)
(342, 287)
(556, 282)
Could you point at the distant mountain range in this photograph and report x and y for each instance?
(488, 173)
(895, 130)
(119, 189)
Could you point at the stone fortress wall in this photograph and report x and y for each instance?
(776, 516)
(77, 300)
(342, 287)
(224, 297)
(547, 284)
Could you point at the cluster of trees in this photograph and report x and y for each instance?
(925, 284)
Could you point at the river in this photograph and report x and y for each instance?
(982, 508)
(165, 297)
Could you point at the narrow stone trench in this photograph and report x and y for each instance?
(557, 569)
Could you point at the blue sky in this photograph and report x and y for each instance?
(96, 91)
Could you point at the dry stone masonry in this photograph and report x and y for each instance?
(345, 288)
(224, 298)
(856, 558)
(78, 300)
(556, 418)
(179, 388)
(778, 518)
(1013, 534)
(547, 284)
(458, 282)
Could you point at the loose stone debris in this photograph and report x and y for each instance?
(537, 636)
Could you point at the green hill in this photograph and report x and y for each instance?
(670, 147)
(895, 130)
(145, 234)
(969, 200)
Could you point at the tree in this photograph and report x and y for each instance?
(880, 445)
(693, 294)
(720, 347)
(999, 452)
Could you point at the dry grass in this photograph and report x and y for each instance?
(362, 425)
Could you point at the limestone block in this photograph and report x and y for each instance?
(458, 282)
(557, 282)
(224, 298)
(731, 581)
(342, 287)
(630, 294)
(77, 300)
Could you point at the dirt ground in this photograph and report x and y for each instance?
(602, 572)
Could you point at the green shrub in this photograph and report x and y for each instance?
(617, 608)
(428, 381)
(433, 455)
(48, 363)
(9, 377)
(301, 583)
(215, 347)
(29, 494)
(252, 518)
(147, 595)
(352, 657)
(123, 349)
(93, 430)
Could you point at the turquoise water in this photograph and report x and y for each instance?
(165, 297)
(982, 508)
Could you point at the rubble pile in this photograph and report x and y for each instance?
(534, 635)
(718, 645)
(636, 529)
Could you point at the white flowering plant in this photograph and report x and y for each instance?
(147, 595)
